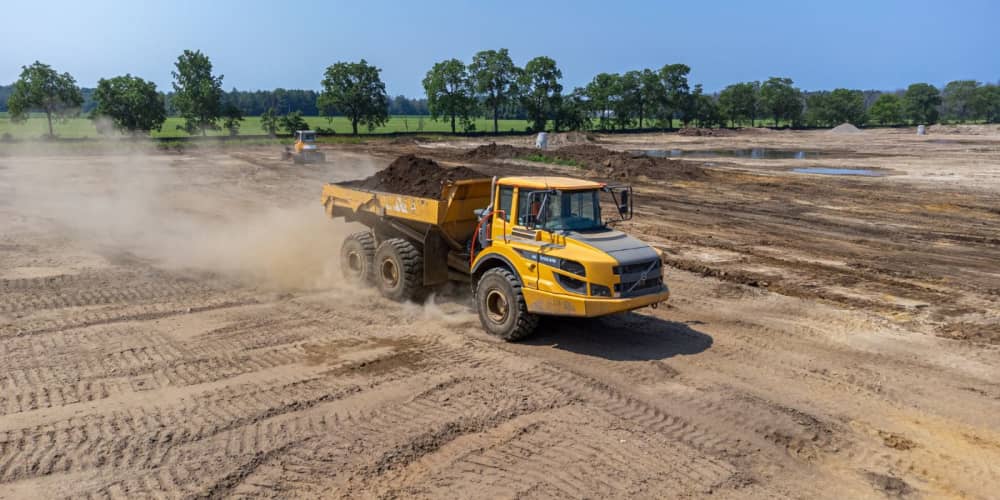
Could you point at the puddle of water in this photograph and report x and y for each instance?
(752, 153)
(838, 171)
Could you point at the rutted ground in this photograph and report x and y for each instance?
(802, 354)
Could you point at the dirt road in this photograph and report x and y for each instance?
(174, 325)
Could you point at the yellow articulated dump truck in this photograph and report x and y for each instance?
(529, 246)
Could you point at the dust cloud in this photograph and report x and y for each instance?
(181, 212)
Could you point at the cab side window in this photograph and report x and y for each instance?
(506, 200)
(527, 208)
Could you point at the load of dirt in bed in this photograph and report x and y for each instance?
(414, 176)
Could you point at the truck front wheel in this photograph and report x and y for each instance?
(399, 270)
(502, 309)
(357, 257)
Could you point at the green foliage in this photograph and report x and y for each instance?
(920, 103)
(626, 92)
(986, 103)
(197, 93)
(494, 77)
(738, 102)
(269, 121)
(541, 92)
(41, 88)
(232, 118)
(449, 91)
(675, 92)
(293, 121)
(781, 100)
(574, 112)
(833, 108)
(887, 110)
(704, 109)
(356, 90)
(601, 91)
(540, 158)
(131, 103)
(958, 98)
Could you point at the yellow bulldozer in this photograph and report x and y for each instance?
(528, 246)
(304, 150)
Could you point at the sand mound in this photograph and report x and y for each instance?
(845, 128)
(414, 176)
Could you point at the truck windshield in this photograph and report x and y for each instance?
(564, 211)
(308, 137)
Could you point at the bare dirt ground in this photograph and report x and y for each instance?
(174, 325)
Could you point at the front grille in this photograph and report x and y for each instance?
(637, 267)
(639, 278)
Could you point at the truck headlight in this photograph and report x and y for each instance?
(599, 290)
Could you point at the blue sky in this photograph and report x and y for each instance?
(869, 44)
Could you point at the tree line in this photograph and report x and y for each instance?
(492, 86)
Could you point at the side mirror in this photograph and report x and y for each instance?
(624, 206)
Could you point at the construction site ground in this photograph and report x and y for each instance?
(174, 324)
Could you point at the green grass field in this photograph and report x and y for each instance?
(77, 128)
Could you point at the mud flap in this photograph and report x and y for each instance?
(435, 258)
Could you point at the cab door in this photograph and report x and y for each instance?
(522, 239)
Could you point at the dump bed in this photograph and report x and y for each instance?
(452, 213)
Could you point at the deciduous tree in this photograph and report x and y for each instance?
(41, 88)
(131, 103)
(197, 92)
(738, 102)
(958, 97)
(601, 92)
(675, 90)
(356, 90)
(887, 110)
(495, 77)
(920, 103)
(449, 91)
(293, 121)
(781, 100)
(541, 91)
(270, 122)
(232, 118)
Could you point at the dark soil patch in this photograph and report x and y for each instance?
(601, 163)
(896, 441)
(891, 486)
(705, 132)
(972, 332)
(494, 150)
(414, 176)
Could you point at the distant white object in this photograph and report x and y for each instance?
(542, 141)
(921, 130)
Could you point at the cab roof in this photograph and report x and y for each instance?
(545, 182)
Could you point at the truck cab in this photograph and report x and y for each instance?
(553, 234)
(305, 140)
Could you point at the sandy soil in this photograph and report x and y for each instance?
(174, 325)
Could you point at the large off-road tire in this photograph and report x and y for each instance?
(399, 270)
(501, 306)
(357, 258)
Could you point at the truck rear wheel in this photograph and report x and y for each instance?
(399, 270)
(501, 306)
(357, 257)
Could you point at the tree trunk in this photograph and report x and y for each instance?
(354, 125)
(48, 114)
(453, 124)
(496, 121)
